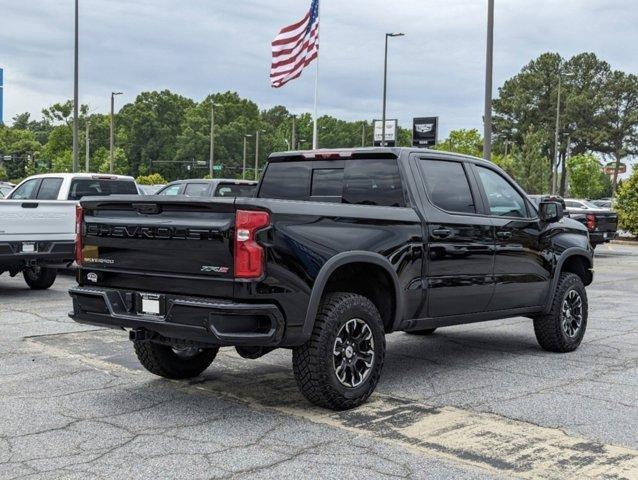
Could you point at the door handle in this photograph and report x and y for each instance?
(504, 235)
(441, 233)
(30, 205)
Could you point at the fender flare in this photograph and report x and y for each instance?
(570, 252)
(329, 268)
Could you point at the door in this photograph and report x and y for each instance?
(521, 273)
(459, 240)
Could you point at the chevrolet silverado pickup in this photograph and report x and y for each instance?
(336, 250)
(601, 223)
(37, 222)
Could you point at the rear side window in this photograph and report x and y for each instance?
(234, 190)
(196, 190)
(447, 185)
(49, 189)
(361, 182)
(96, 188)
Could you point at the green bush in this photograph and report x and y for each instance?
(152, 179)
(626, 204)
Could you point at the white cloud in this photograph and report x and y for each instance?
(195, 47)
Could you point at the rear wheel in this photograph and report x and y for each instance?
(563, 328)
(339, 367)
(174, 363)
(40, 278)
(424, 332)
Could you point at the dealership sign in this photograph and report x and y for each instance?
(611, 166)
(391, 127)
(425, 132)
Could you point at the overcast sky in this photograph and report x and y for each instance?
(195, 47)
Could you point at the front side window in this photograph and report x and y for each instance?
(170, 190)
(49, 189)
(447, 185)
(27, 190)
(503, 198)
(196, 190)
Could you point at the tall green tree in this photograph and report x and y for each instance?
(584, 176)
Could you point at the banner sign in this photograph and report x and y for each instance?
(425, 132)
(391, 127)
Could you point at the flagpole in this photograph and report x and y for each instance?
(315, 129)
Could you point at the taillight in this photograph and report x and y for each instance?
(79, 220)
(249, 255)
(591, 222)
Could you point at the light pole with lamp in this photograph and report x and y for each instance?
(385, 82)
(243, 168)
(112, 135)
(257, 152)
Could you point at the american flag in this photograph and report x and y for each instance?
(295, 47)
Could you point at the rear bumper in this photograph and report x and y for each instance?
(207, 321)
(12, 255)
(598, 238)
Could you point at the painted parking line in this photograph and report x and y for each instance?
(487, 441)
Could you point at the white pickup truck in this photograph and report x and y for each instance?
(37, 222)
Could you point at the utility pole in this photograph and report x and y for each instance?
(76, 96)
(88, 152)
(363, 134)
(112, 133)
(489, 65)
(257, 153)
(385, 83)
(556, 135)
(243, 168)
(294, 133)
(211, 155)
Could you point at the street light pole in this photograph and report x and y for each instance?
(385, 83)
(257, 153)
(294, 133)
(556, 135)
(76, 96)
(489, 66)
(88, 153)
(363, 134)
(112, 133)
(243, 168)
(211, 156)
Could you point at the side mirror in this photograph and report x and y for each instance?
(550, 211)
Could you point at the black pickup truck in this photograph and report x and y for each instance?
(337, 249)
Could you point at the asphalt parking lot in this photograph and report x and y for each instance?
(477, 401)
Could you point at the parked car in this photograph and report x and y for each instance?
(601, 223)
(337, 249)
(37, 222)
(5, 189)
(150, 189)
(217, 187)
(603, 203)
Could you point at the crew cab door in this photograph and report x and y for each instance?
(459, 241)
(521, 274)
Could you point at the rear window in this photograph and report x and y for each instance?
(96, 188)
(235, 190)
(361, 182)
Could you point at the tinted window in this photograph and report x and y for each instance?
(27, 190)
(196, 189)
(235, 190)
(373, 182)
(503, 198)
(49, 189)
(170, 190)
(447, 186)
(327, 182)
(286, 181)
(95, 188)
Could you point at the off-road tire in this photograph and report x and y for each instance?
(162, 360)
(548, 327)
(313, 362)
(40, 278)
(423, 333)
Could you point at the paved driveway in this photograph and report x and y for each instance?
(478, 401)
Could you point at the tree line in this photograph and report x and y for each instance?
(165, 133)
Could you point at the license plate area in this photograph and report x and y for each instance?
(151, 304)
(29, 247)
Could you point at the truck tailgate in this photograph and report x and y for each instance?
(606, 221)
(37, 220)
(178, 239)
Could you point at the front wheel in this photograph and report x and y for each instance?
(339, 367)
(39, 278)
(174, 363)
(563, 328)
